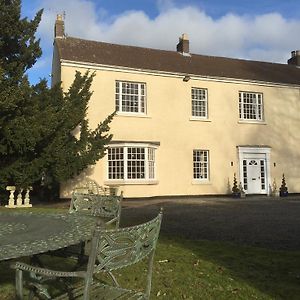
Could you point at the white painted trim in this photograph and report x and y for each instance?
(201, 119)
(131, 182)
(252, 122)
(94, 66)
(201, 182)
(133, 144)
(128, 114)
(259, 152)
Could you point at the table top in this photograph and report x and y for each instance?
(28, 233)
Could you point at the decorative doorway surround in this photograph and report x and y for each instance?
(254, 163)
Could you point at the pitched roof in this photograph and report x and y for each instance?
(79, 50)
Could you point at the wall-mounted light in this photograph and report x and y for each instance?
(186, 78)
(231, 163)
(274, 164)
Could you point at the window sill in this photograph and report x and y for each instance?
(130, 182)
(201, 182)
(136, 115)
(252, 122)
(200, 119)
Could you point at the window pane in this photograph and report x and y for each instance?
(250, 106)
(151, 163)
(135, 163)
(130, 97)
(199, 102)
(200, 164)
(115, 163)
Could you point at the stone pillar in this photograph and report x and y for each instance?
(11, 199)
(19, 198)
(27, 198)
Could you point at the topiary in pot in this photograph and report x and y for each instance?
(236, 193)
(283, 190)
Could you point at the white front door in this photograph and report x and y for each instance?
(255, 169)
(253, 176)
(254, 173)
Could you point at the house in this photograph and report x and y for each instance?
(186, 123)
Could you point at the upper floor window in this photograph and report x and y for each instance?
(199, 103)
(130, 97)
(131, 163)
(201, 164)
(251, 106)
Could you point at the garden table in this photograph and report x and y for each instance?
(29, 233)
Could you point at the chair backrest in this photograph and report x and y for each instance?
(126, 246)
(118, 248)
(103, 206)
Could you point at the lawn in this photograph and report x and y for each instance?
(186, 269)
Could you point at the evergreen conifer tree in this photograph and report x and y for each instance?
(37, 123)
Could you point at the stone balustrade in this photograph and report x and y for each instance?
(22, 199)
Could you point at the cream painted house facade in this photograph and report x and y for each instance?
(186, 123)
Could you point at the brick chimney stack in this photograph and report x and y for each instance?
(295, 59)
(59, 27)
(183, 46)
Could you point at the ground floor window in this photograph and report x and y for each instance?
(132, 162)
(201, 164)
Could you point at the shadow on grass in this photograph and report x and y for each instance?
(241, 272)
(186, 269)
(226, 267)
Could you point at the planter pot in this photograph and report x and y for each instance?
(283, 193)
(236, 195)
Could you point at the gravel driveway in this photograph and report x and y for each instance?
(256, 221)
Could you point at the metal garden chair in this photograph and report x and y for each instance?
(111, 250)
(105, 207)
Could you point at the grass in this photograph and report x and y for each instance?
(218, 270)
(186, 269)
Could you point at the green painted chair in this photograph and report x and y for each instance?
(111, 250)
(105, 207)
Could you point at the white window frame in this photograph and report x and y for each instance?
(198, 101)
(202, 165)
(255, 110)
(141, 98)
(149, 164)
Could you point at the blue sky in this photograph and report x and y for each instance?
(266, 30)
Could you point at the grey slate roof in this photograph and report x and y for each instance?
(79, 50)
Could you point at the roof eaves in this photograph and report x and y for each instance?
(91, 65)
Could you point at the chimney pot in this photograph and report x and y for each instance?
(295, 58)
(183, 46)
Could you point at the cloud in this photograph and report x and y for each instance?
(268, 37)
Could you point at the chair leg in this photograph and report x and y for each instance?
(19, 284)
(149, 275)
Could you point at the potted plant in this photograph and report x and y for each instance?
(283, 190)
(274, 190)
(242, 192)
(236, 193)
